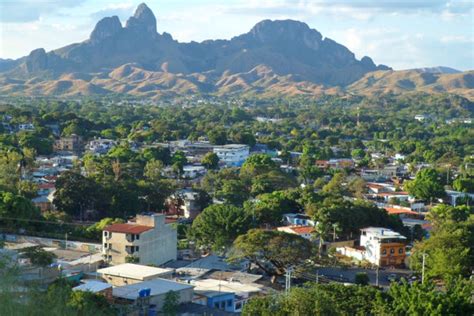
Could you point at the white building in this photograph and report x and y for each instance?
(232, 155)
(100, 145)
(147, 240)
(26, 127)
(383, 246)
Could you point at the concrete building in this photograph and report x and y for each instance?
(146, 240)
(71, 143)
(232, 155)
(100, 145)
(380, 246)
(224, 295)
(152, 293)
(129, 273)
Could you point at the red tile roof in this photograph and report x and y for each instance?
(397, 211)
(302, 229)
(127, 228)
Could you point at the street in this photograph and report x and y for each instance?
(348, 274)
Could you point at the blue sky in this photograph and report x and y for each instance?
(399, 33)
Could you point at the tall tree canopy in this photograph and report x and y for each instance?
(218, 225)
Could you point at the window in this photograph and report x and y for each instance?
(400, 251)
(216, 305)
(137, 237)
(229, 303)
(238, 306)
(137, 248)
(223, 305)
(110, 246)
(392, 251)
(384, 252)
(105, 245)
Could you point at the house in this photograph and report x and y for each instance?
(229, 296)
(26, 127)
(188, 202)
(302, 231)
(421, 117)
(322, 164)
(146, 240)
(152, 293)
(130, 273)
(453, 196)
(192, 172)
(232, 155)
(343, 163)
(71, 143)
(380, 246)
(100, 145)
(42, 202)
(298, 219)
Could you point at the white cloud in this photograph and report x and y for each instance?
(447, 39)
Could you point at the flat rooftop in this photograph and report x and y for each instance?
(210, 286)
(157, 287)
(92, 286)
(134, 271)
(381, 232)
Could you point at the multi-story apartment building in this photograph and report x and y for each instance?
(71, 143)
(232, 155)
(145, 240)
(380, 246)
(383, 246)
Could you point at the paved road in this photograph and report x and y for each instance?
(348, 275)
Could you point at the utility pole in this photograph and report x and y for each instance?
(288, 280)
(66, 242)
(423, 268)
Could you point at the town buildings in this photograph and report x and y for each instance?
(146, 240)
(232, 155)
(379, 246)
(72, 143)
(130, 273)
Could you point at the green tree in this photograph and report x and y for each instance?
(38, 256)
(361, 278)
(10, 166)
(464, 184)
(218, 225)
(448, 252)
(210, 161)
(272, 251)
(75, 194)
(427, 299)
(426, 185)
(268, 208)
(171, 303)
(217, 136)
(233, 192)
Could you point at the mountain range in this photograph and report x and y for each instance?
(282, 57)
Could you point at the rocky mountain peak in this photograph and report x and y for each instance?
(143, 20)
(106, 27)
(268, 31)
(37, 60)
